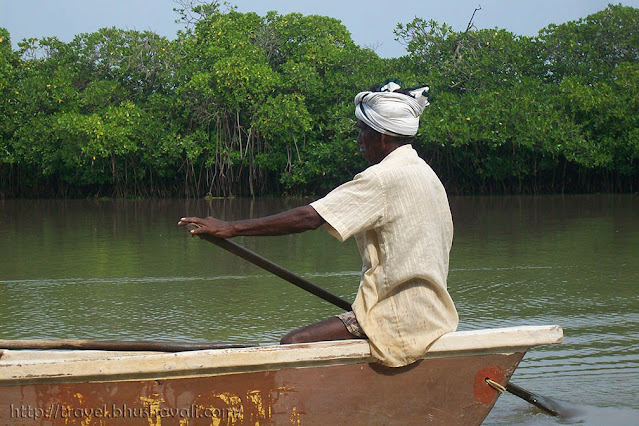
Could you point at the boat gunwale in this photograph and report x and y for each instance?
(108, 366)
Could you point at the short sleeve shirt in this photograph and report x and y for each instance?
(398, 213)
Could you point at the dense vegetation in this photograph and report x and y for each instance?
(241, 104)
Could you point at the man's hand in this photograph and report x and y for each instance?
(210, 226)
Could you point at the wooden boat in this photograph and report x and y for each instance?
(316, 383)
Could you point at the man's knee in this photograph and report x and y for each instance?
(296, 336)
(329, 329)
(286, 340)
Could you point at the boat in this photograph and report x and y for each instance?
(335, 382)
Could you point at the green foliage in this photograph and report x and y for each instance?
(607, 114)
(592, 47)
(8, 62)
(242, 104)
(519, 112)
(6, 59)
(470, 60)
(261, 93)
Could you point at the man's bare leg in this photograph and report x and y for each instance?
(329, 329)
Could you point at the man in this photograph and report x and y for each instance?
(397, 210)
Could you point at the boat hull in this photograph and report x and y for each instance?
(438, 391)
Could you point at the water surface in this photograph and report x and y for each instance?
(123, 270)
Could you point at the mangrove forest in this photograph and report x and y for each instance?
(240, 104)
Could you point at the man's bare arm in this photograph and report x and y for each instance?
(299, 219)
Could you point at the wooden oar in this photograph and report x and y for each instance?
(303, 283)
(276, 269)
(119, 345)
(546, 404)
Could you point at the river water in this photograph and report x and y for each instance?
(123, 270)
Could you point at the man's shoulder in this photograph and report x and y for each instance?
(371, 172)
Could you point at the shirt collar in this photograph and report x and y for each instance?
(400, 151)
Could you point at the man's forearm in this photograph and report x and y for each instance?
(293, 221)
(299, 219)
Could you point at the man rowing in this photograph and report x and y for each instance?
(398, 212)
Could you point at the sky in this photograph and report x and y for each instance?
(371, 22)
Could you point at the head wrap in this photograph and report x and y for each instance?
(391, 113)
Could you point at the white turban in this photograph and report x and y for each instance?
(394, 114)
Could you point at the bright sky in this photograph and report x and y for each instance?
(371, 22)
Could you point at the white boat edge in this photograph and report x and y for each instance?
(29, 366)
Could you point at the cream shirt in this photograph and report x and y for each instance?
(398, 212)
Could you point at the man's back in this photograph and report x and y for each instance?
(398, 212)
(418, 228)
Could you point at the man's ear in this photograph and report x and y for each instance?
(387, 141)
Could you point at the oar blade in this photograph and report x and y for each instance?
(548, 405)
